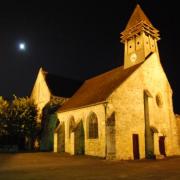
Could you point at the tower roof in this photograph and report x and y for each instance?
(137, 17)
(138, 23)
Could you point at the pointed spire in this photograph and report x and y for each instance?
(138, 23)
(137, 17)
(42, 71)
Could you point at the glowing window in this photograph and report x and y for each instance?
(93, 126)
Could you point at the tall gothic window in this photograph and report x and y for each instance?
(93, 126)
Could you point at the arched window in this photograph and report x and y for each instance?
(93, 126)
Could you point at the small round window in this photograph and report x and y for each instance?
(159, 100)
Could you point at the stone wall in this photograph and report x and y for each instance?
(177, 118)
(128, 103)
(95, 147)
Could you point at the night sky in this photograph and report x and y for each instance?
(78, 40)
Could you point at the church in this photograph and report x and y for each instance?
(49, 86)
(127, 112)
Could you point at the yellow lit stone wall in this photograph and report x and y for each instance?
(178, 128)
(40, 93)
(55, 144)
(95, 147)
(128, 103)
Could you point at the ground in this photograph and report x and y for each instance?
(63, 166)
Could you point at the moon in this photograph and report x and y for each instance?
(22, 46)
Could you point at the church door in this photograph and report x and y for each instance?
(135, 146)
(110, 137)
(162, 145)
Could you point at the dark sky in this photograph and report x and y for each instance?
(78, 40)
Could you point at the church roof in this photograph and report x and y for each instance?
(98, 89)
(60, 86)
(137, 17)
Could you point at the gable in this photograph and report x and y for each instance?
(150, 77)
(40, 92)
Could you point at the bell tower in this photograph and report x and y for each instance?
(139, 37)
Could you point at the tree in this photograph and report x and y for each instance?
(4, 108)
(22, 122)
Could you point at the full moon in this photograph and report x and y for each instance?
(22, 46)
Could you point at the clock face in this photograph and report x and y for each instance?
(133, 57)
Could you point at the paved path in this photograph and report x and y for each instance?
(53, 166)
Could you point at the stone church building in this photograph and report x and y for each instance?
(125, 113)
(49, 86)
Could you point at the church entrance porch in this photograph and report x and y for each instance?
(110, 137)
(149, 132)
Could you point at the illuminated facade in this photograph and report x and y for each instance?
(125, 113)
(49, 86)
